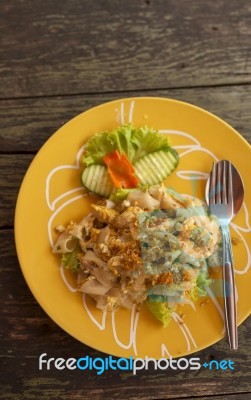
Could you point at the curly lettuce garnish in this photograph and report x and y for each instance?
(134, 142)
(71, 261)
(160, 310)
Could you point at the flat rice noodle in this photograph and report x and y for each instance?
(143, 200)
(138, 296)
(169, 203)
(157, 191)
(104, 235)
(87, 220)
(114, 292)
(138, 284)
(92, 286)
(103, 276)
(91, 256)
(127, 302)
(101, 303)
(81, 278)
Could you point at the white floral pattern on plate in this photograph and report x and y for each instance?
(192, 175)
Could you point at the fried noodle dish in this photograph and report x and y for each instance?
(146, 245)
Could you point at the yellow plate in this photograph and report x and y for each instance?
(51, 194)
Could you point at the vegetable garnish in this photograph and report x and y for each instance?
(136, 157)
(135, 143)
(121, 170)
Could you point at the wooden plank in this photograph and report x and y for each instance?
(240, 396)
(27, 332)
(88, 46)
(237, 396)
(28, 123)
(12, 170)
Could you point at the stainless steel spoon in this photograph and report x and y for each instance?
(238, 192)
(225, 207)
(238, 195)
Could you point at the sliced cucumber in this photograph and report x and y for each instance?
(96, 179)
(155, 167)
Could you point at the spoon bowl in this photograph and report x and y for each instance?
(238, 192)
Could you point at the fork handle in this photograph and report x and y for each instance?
(229, 290)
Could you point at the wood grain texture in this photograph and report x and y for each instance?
(54, 47)
(60, 58)
(27, 332)
(12, 171)
(28, 123)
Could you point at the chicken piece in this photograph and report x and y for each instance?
(104, 214)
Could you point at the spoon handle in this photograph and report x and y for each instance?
(229, 290)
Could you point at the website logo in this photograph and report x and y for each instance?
(100, 365)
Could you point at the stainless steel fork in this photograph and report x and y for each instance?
(221, 205)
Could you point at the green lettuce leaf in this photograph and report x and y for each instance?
(122, 138)
(97, 147)
(147, 141)
(70, 260)
(203, 280)
(134, 142)
(160, 310)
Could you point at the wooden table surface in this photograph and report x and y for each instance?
(59, 58)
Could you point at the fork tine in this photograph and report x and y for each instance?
(218, 183)
(225, 180)
(230, 185)
(212, 182)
